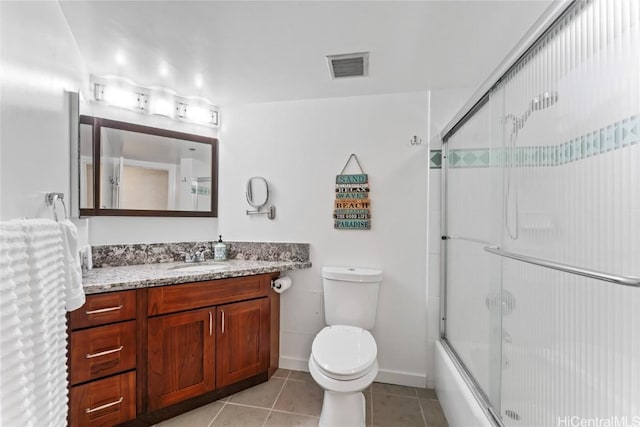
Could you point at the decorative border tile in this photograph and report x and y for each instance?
(435, 159)
(613, 137)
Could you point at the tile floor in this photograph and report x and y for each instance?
(292, 398)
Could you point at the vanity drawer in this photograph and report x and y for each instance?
(105, 402)
(170, 299)
(105, 350)
(101, 309)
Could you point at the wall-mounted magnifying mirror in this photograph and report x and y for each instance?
(257, 192)
(258, 196)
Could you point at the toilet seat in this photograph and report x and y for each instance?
(344, 352)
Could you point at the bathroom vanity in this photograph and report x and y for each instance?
(154, 341)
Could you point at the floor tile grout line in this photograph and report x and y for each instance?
(246, 405)
(284, 383)
(276, 400)
(295, 413)
(424, 417)
(219, 412)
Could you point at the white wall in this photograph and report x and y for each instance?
(299, 147)
(39, 62)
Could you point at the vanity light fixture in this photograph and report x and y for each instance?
(118, 96)
(162, 103)
(122, 93)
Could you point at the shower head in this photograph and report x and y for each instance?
(545, 100)
(539, 103)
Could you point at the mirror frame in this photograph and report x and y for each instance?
(98, 123)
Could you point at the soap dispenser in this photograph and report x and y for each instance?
(220, 250)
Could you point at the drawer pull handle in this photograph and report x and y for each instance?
(104, 353)
(104, 310)
(223, 321)
(210, 324)
(107, 405)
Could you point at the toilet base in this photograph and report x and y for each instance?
(343, 409)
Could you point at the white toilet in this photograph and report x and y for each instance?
(343, 355)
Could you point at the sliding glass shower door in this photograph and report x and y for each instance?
(543, 227)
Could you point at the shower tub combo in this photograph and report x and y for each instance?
(540, 248)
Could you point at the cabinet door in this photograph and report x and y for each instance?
(242, 340)
(181, 350)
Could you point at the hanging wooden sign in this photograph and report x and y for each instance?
(351, 210)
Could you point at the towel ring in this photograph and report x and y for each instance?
(51, 198)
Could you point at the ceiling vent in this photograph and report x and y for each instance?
(348, 65)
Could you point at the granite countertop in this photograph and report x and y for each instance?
(108, 279)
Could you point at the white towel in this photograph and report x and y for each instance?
(75, 297)
(33, 329)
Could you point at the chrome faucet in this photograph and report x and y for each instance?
(197, 256)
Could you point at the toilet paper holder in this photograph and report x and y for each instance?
(281, 284)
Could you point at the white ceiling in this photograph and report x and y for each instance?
(260, 51)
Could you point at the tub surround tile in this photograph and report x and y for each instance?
(152, 253)
(109, 279)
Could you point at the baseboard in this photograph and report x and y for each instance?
(401, 378)
(294, 364)
(384, 376)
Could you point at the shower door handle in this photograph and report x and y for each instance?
(580, 271)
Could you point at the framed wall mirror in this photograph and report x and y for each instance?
(132, 170)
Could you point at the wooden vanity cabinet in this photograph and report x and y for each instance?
(102, 360)
(205, 336)
(141, 356)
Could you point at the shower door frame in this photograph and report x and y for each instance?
(538, 31)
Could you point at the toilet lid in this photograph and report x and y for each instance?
(344, 350)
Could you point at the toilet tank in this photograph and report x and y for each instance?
(351, 296)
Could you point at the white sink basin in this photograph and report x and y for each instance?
(198, 268)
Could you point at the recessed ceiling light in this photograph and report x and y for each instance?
(199, 80)
(120, 58)
(163, 70)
